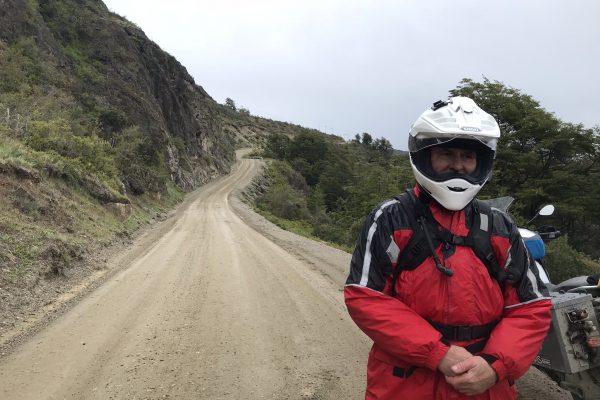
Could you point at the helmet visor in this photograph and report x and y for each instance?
(485, 157)
(464, 141)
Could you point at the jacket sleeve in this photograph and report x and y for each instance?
(519, 335)
(394, 327)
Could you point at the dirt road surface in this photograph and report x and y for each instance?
(213, 303)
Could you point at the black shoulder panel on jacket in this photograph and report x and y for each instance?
(371, 261)
(502, 223)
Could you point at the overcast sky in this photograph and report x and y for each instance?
(352, 66)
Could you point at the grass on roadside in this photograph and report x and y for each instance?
(299, 227)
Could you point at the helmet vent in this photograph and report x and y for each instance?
(450, 125)
(445, 120)
(456, 189)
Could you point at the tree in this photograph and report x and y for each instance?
(383, 146)
(229, 103)
(367, 139)
(333, 181)
(541, 159)
(277, 146)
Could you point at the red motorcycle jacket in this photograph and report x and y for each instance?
(504, 322)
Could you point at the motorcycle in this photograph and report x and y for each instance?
(570, 353)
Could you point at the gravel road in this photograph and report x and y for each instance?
(213, 303)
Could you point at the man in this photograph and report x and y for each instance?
(451, 315)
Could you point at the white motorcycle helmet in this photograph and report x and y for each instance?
(458, 123)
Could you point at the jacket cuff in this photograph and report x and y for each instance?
(436, 355)
(488, 357)
(500, 369)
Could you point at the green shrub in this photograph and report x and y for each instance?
(564, 262)
(88, 70)
(285, 202)
(91, 154)
(112, 120)
(139, 162)
(283, 199)
(328, 230)
(20, 66)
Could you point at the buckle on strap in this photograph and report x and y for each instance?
(459, 240)
(448, 237)
(463, 332)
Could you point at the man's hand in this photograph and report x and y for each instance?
(454, 356)
(472, 376)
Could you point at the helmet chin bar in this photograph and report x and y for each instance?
(456, 189)
(453, 194)
(451, 200)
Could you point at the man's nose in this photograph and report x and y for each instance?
(457, 163)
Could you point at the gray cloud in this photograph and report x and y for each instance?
(357, 65)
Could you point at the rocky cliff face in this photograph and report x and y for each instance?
(123, 79)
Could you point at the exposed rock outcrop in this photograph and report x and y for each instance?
(115, 72)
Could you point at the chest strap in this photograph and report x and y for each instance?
(461, 333)
(428, 234)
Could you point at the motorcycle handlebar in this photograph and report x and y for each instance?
(549, 235)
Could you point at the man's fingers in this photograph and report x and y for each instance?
(454, 355)
(474, 376)
(463, 383)
(464, 366)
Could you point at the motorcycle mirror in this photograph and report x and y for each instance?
(548, 209)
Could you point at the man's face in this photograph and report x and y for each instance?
(450, 159)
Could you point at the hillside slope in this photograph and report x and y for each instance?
(117, 78)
